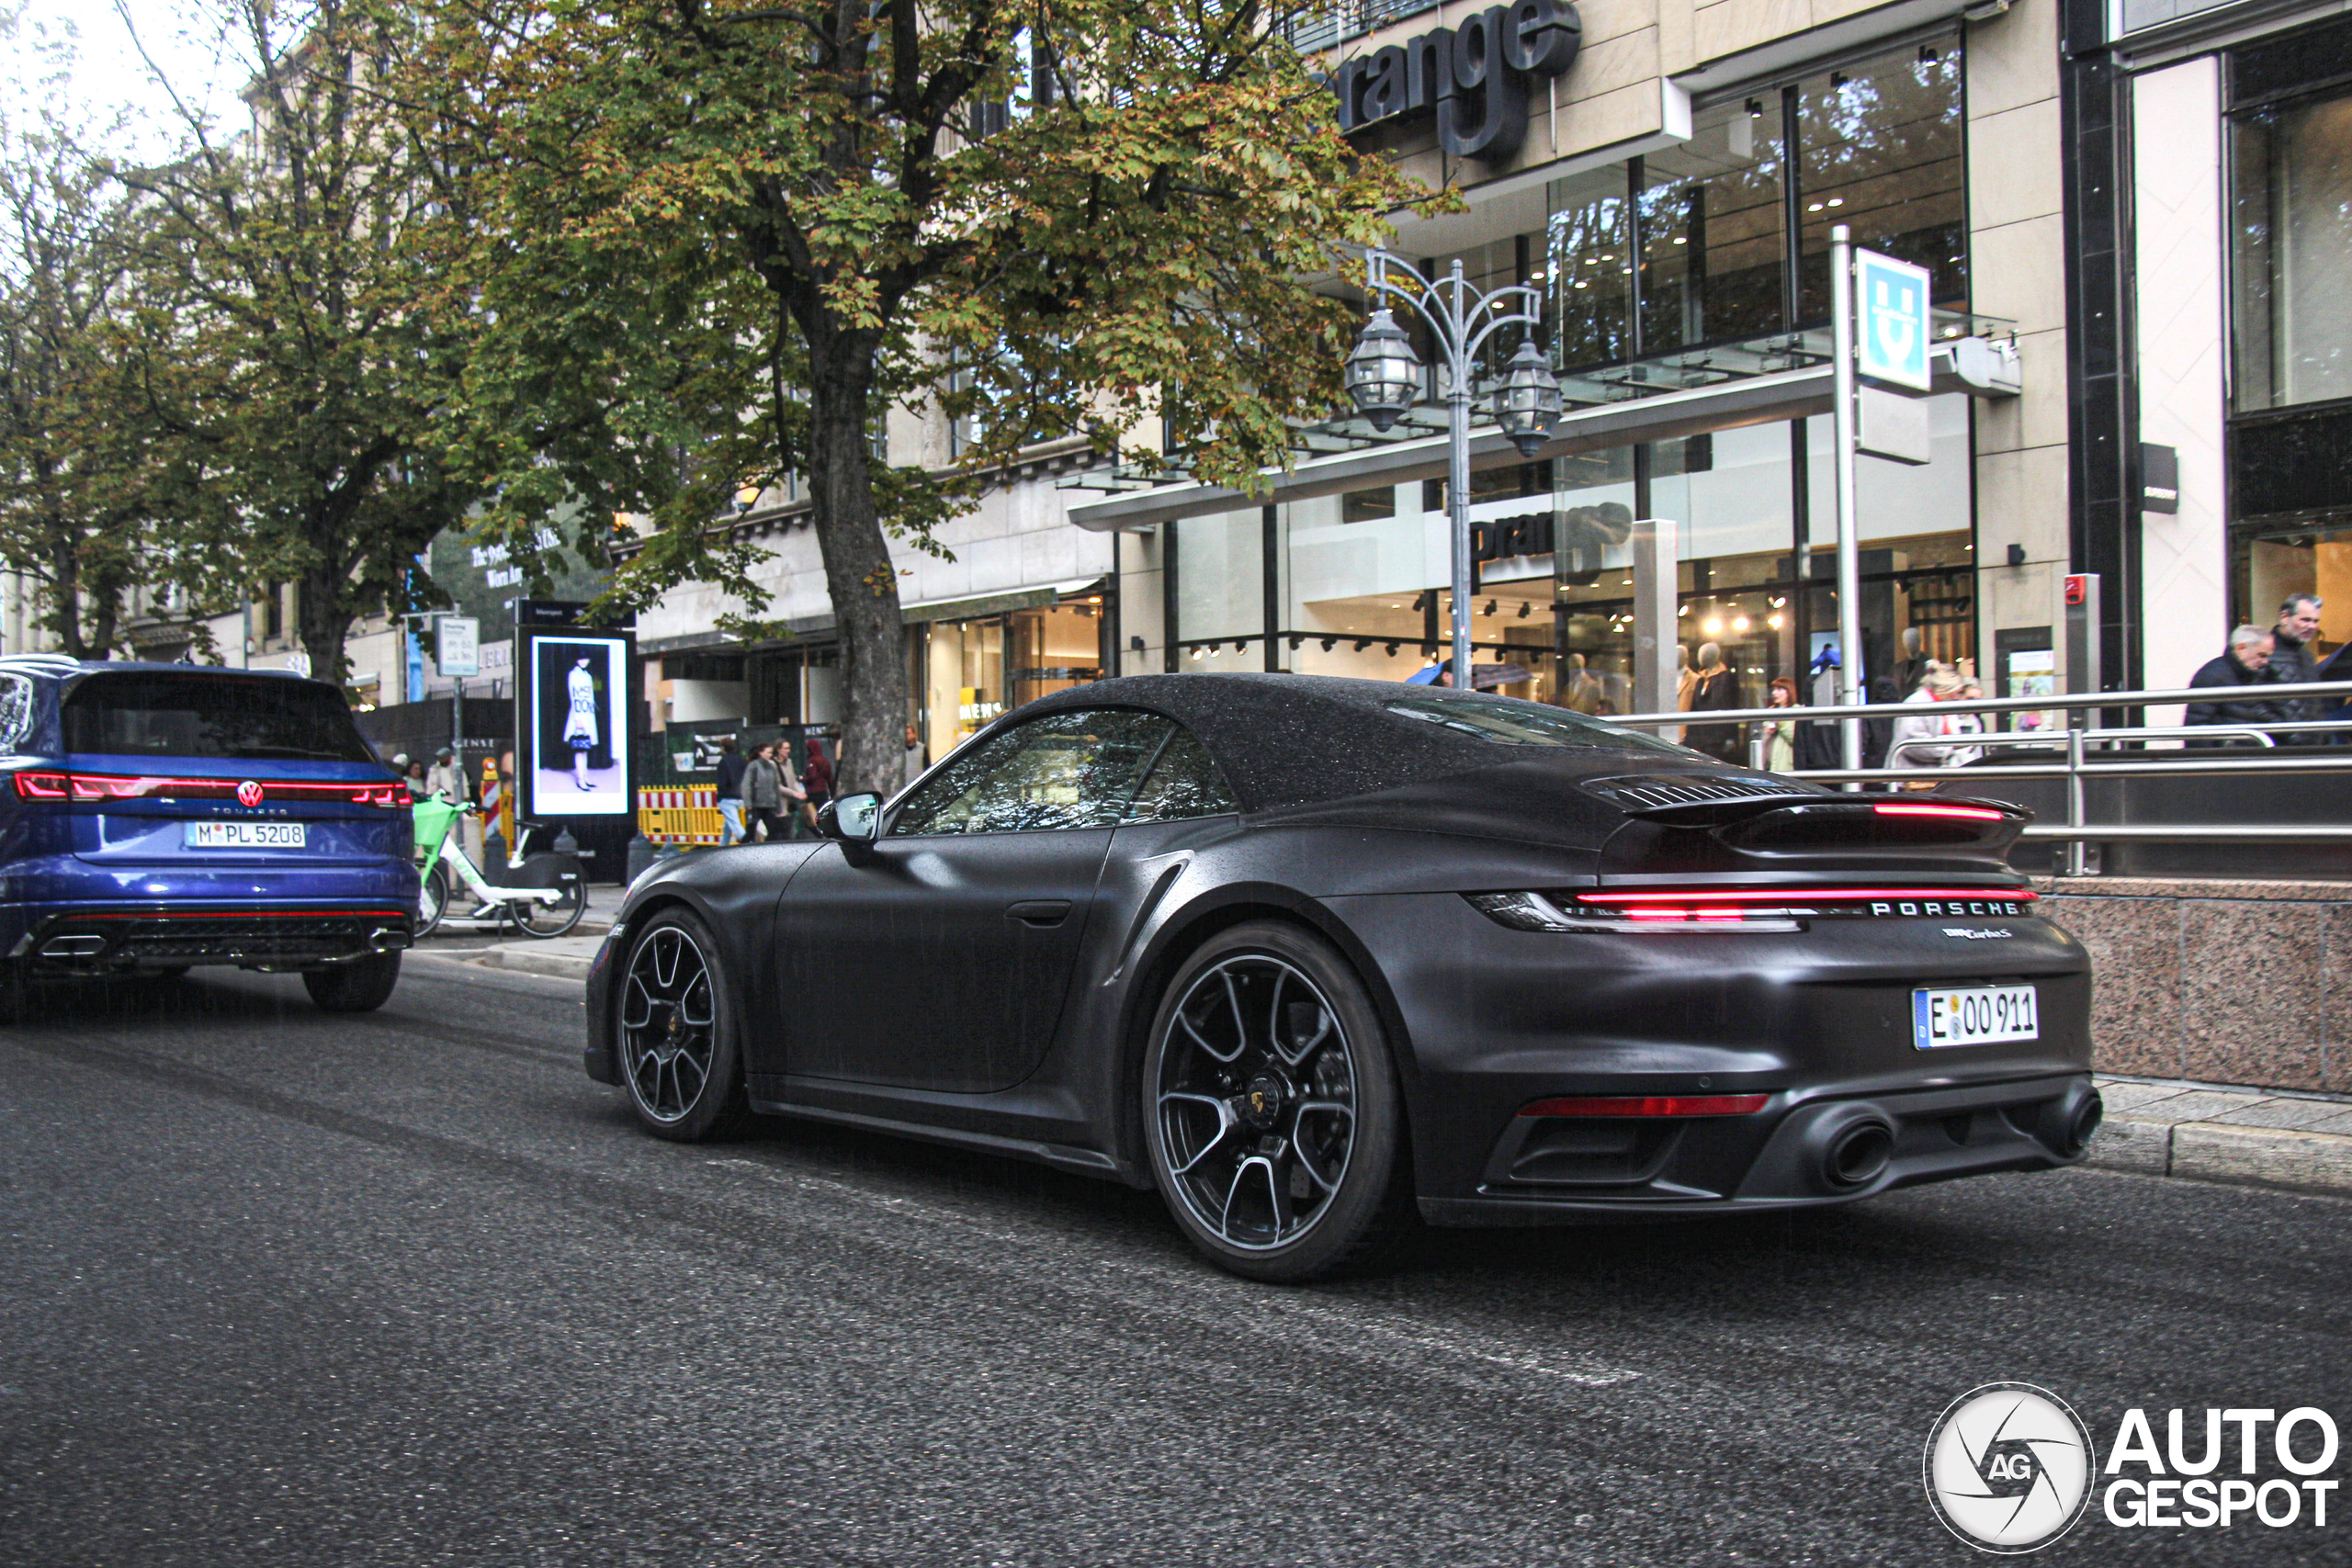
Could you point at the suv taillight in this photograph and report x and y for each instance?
(134, 787)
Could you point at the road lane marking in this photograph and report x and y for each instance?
(1228, 1300)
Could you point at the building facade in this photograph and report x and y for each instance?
(2137, 209)
(2211, 216)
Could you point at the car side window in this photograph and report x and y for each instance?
(15, 711)
(1065, 769)
(1182, 783)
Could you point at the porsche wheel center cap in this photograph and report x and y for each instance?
(671, 1037)
(1261, 1101)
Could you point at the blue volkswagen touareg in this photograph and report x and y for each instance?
(156, 817)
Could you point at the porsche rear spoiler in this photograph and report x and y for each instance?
(1765, 815)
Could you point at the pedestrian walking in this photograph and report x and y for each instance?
(914, 764)
(765, 794)
(730, 792)
(1939, 683)
(1780, 734)
(446, 778)
(816, 780)
(2245, 662)
(2293, 662)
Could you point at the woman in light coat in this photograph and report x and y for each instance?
(767, 784)
(1940, 684)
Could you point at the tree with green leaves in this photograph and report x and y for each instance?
(715, 240)
(320, 347)
(93, 489)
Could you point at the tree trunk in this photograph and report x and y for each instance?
(323, 617)
(858, 574)
(66, 591)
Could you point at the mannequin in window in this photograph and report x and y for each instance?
(1715, 686)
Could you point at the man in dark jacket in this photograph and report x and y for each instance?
(2293, 661)
(731, 764)
(2243, 665)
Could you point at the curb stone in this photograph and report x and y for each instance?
(2206, 1133)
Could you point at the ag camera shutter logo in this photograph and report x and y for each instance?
(2008, 1468)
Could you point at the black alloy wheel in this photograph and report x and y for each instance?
(678, 1051)
(1271, 1109)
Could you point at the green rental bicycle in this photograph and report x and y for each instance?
(543, 894)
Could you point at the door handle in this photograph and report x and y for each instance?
(1042, 914)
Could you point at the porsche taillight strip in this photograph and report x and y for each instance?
(1961, 812)
(1689, 897)
(42, 784)
(1650, 1105)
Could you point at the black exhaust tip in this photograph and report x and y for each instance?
(2084, 1125)
(1857, 1155)
(2068, 1123)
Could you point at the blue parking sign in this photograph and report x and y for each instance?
(1890, 298)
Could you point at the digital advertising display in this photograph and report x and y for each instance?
(572, 727)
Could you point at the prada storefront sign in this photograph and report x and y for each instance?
(1474, 77)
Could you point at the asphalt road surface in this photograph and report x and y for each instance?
(408, 1289)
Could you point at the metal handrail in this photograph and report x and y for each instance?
(2068, 701)
(2077, 832)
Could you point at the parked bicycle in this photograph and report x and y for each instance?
(543, 895)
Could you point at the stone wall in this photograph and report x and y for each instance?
(2223, 982)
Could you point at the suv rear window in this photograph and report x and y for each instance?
(231, 716)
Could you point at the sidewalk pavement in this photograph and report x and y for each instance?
(2210, 1133)
(566, 957)
(2198, 1132)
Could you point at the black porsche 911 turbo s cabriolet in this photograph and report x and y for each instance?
(1315, 956)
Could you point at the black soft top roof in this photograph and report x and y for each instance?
(1287, 740)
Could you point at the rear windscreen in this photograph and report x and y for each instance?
(212, 716)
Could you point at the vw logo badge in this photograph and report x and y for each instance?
(2008, 1468)
(249, 794)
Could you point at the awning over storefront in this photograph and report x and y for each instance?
(1755, 400)
(995, 604)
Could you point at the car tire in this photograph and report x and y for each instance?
(677, 1033)
(15, 992)
(1285, 1160)
(361, 985)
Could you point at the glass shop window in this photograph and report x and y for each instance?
(2291, 238)
(1590, 268)
(1879, 148)
(1711, 220)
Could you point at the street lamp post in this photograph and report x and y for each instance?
(1384, 380)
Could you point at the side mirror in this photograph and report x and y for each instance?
(854, 819)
